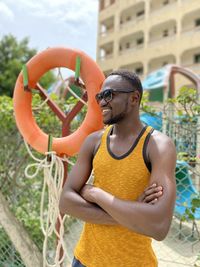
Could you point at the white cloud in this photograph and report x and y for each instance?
(68, 11)
(57, 8)
(79, 13)
(54, 22)
(6, 12)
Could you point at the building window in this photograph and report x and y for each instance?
(140, 41)
(140, 13)
(165, 2)
(127, 45)
(165, 33)
(197, 22)
(197, 58)
(107, 3)
(101, 5)
(128, 18)
(139, 70)
(175, 29)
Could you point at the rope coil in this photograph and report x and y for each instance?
(53, 181)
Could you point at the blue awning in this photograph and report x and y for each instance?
(156, 79)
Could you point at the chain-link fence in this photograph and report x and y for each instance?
(9, 257)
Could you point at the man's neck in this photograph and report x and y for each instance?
(124, 129)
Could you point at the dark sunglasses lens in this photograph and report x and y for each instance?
(98, 97)
(106, 95)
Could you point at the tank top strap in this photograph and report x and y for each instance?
(148, 131)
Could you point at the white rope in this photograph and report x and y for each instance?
(49, 217)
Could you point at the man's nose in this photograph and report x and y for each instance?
(103, 102)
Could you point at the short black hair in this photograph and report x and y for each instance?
(130, 76)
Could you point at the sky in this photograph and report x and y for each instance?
(50, 23)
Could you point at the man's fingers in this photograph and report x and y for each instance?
(151, 186)
(152, 190)
(150, 193)
(147, 192)
(152, 196)
(153, 201)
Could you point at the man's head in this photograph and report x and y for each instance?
(120, 95)
(132, 78)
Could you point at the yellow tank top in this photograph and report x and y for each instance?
(124, 177)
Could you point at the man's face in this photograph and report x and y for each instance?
(116, 108)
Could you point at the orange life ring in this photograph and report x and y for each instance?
(37, 66)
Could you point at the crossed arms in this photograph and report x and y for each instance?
(92, 204)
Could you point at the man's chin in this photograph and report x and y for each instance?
(109, 122)
(106, 122)
(113, 120)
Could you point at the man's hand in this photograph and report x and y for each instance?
(88, 192)
(151, 194)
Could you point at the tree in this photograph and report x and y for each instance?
(13, 55)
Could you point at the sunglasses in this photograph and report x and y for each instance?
(107, 95)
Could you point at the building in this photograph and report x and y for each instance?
(144, 35)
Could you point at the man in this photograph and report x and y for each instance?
(126, 158)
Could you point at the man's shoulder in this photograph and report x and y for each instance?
(95, 137)
(161, 140)
(162, 151)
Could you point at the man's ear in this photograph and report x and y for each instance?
(135, 97)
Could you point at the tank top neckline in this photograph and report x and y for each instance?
(130, 149)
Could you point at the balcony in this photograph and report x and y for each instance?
(107, 32)
(157, 63)
(106, 51)
(191, 22)
(189, 38)
(106, 37)
(161, 5)
(131, 27)
(131, 42)
(191, 59)
(132, 22)
(107, 25)
(132, 15)
(106, 57)
(135, 67)
(160, 40)
(131, 49)
(162, 32)
(107, 10)
(162, 14)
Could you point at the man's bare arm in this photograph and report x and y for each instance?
(71, 202)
